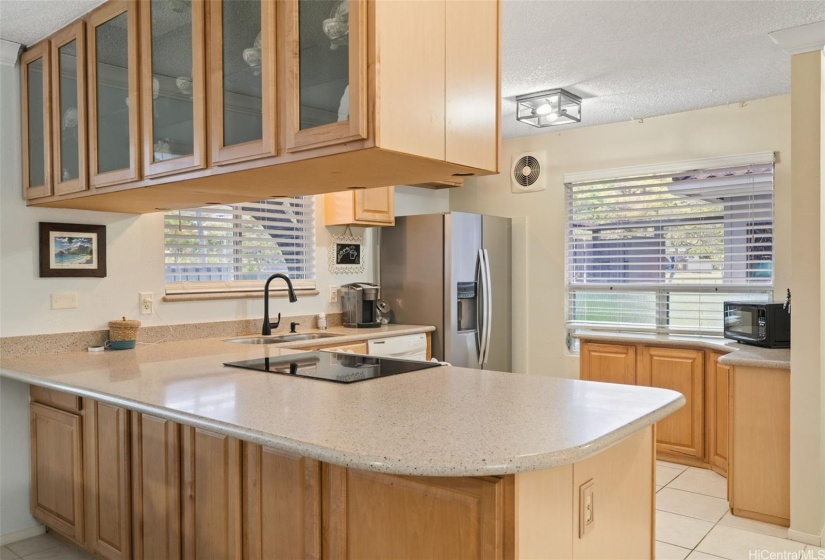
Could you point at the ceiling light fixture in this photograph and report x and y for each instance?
(549, 108)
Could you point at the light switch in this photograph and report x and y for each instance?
(64, 300)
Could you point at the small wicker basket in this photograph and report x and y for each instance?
(123, 330)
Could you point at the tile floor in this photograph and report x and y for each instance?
(692, 522)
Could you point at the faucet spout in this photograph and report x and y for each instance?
(268, 326)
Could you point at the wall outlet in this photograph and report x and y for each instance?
(146, 303)
(587, 507)
(333, 294)
(64, 300)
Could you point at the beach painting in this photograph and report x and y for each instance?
(73, 250)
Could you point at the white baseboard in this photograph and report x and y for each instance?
(22, 534)
(807, 538)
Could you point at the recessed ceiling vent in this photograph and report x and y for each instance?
(527, 173)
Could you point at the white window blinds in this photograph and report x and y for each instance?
(237, 247)
(661, 252)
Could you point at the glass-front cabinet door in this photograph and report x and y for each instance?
(242, 55)
(36, 125)
(69, 109)
(327, 73)
(113, 94)
(172, 85)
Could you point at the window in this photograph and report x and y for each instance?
(237, 247)
(660, 252)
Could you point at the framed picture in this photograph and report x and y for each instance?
(346, 254)
(68, 250)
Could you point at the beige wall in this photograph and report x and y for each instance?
(538, 282)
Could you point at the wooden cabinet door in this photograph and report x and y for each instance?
(114, 101)
(282, 505)
(611, 363)
(718, 377)
(172, 86)
(35, 108)
(375, 515)
(324, 81)
(57, 470)
(69, 124)
(211, 495)
(375, 205)
(155, 488)
(108, 491)
(243, 119)
(681, 370)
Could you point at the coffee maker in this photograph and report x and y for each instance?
(360, 301)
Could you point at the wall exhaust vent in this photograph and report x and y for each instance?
(527, 173)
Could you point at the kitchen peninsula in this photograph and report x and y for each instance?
(173, 454)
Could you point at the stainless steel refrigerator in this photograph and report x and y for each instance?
(453, 271)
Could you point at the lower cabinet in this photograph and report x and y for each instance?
(156, 488)
(211, 495)
(718, 379)
(611, 363)
(57, 470)
(683, 370)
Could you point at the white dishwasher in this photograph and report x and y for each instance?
(407, 347)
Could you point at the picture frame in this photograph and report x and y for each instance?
(72, 250)
(346, 254)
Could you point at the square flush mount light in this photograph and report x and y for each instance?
(549, 108)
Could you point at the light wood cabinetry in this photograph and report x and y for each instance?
(375, 515)
(211, 466)
(718, 377)
(107, 480)
(57, 470)
(760, 455)
(355, 347)
(35, 105)
(68, 117)
(610, 363)
(156, 488)
(285, 113)
(282, 504)
(360, 207)
(682, 370)
(114, 99)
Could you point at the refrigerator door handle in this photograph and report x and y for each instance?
(488, 302)
(481, 308)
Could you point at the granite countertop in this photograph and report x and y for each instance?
(736, 354)
(442, 421)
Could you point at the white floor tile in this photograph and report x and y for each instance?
(665, 474)
(59, 553)
(737, 544)
(665, 551)
(701, 481)
(7, 554)
(817, 549)
(670, 465)
(679, 530)
(690, 504)
(696, 555)
(659, 488)
(35, 544)
(754, 526)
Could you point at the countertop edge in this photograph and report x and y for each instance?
(496, 467)
(736, 354)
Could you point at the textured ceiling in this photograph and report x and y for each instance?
(627, 59)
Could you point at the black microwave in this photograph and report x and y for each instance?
(760, 324)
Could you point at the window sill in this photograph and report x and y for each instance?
(206, 296)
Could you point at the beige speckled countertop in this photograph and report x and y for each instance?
(443, 421)
(737, 354)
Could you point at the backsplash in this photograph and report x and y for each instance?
(15, 346)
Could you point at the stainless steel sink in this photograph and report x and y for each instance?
(281, 338)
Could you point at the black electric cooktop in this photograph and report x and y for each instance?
(340, 367)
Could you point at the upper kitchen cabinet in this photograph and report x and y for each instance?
(360, 207)
(68, 49)
(326, 72)
(242, 54)
(36, 127)
(113, 94)
(172, 86)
